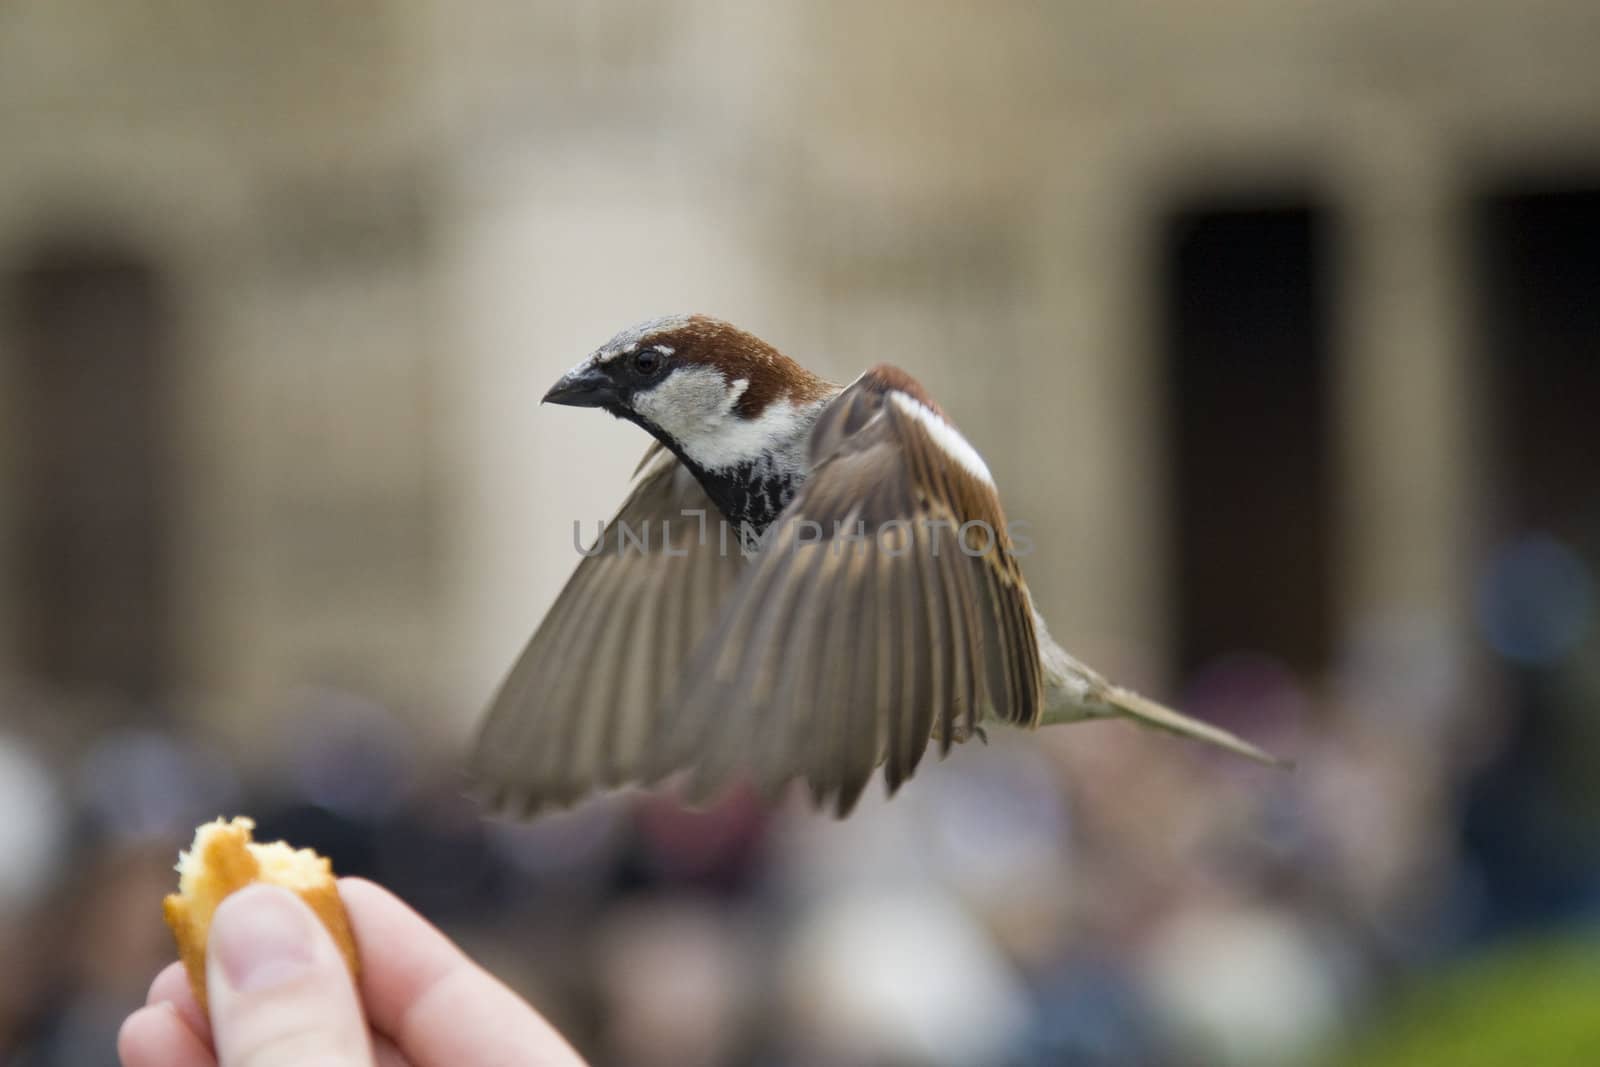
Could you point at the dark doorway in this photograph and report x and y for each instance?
(1532, 826)
(1540, 252)
(92, 331)
(1246, 290)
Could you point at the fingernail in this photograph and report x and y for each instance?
(262, 937)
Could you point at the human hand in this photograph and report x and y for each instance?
(281, 994)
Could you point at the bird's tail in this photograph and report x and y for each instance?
(1147, 712)
(1074, 692)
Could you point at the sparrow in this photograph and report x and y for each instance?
(808, 581)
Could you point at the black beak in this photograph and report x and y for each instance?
(584, 387)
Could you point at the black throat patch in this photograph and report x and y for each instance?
(750, 494)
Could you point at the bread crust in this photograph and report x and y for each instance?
(224, 860)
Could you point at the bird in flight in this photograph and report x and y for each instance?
(808, 581)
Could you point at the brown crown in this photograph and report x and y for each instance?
(738, 354)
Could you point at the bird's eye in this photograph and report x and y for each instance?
(647, 361)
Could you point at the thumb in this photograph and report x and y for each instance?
(279, 990)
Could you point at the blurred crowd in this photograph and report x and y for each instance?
(1093, 895)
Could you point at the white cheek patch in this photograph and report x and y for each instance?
(945, 436)
(695, 407)
(778, 428)
(686, 403)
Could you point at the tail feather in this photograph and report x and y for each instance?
(1147, 712)
(1073, 692)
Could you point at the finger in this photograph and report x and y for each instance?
(386, 1053)
(279, 991)
(171, 986)
(156, 1037)
(440, 1008)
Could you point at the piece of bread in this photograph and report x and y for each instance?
(223, 859)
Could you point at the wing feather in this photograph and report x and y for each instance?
(860, 743)
(578, 710)
(836, 655)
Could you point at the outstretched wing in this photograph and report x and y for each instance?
(885, 608)
(578, 709)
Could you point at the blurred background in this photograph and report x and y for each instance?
(1278, 322)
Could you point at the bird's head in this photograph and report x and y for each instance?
(709, 391)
